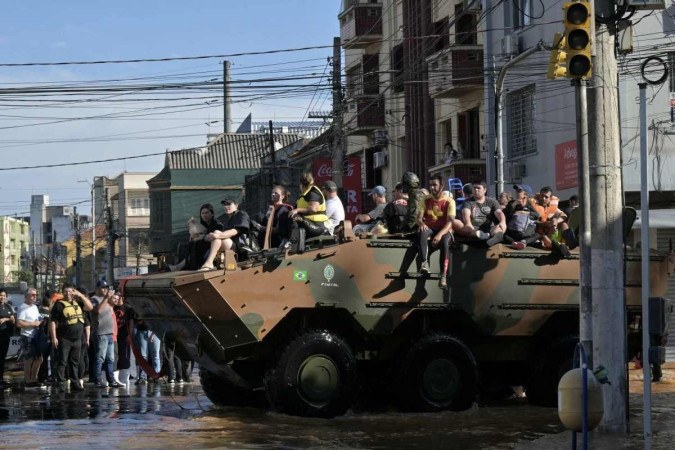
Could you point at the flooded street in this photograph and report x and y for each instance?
(180, 416)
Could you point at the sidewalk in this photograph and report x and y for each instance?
(663, 420)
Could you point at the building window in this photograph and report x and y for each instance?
(520, 110)
(397, 67)
(139, 206)
(521, 13)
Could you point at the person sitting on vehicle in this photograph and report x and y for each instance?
(198, 248)
(504, 199)
(335, 210)
(310, 209)
(234, 235)
(281, 222)
(550, 217)
(521, 218)
(436, 223)
(482, 217)
(410, 184)
(395, 211)
(366, 222)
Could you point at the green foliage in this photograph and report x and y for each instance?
(24, 275)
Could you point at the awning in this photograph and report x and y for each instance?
(658, 218)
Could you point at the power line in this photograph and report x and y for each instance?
(178, 58)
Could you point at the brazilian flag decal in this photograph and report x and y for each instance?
(299, 275)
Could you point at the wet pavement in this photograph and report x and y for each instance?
(180, 416)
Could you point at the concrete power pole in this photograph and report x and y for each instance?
(338, 140)
(78, 248)
(110, 272)
(227, 113)
(607, 254)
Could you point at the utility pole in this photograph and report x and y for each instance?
(227, 113)
(585, 286)
(78, 248)
(273, 156)
(93, 238)
(110, 274)
(607, 253)
(338, 143)
(53, 261)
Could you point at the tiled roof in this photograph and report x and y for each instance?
(228, 151)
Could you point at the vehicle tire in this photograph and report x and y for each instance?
(548, 369)
(315, 376)
(438, 372)
(222, 393)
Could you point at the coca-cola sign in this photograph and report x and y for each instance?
(322, 169)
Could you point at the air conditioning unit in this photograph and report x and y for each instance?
(518, 172)
(472, 6)
(379, 159)
(646, 4)
(510, 45)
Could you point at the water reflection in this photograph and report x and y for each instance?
(153, 416)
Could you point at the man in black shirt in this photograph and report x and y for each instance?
(66, 328)
(236, 226)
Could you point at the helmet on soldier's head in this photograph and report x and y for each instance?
(410, 180)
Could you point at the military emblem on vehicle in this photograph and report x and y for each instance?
(329, 274)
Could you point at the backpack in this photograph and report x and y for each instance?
(520, 222)
(394, 216)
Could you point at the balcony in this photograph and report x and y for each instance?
(360, 24)
(466, 170)
(456, 71)
(364, 114)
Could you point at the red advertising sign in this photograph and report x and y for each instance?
(566, 165)
(322, 169)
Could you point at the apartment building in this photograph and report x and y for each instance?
(13, 248)
(414, 88)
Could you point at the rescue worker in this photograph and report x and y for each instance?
(66, 328)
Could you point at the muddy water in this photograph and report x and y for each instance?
(180, 416)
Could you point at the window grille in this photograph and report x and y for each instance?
(520, 110)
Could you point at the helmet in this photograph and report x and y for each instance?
(410, 180)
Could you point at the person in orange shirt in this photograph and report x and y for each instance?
(550, 217)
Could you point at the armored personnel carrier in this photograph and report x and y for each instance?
(317, 329)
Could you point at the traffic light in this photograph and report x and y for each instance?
(577, 20)
(556, 63)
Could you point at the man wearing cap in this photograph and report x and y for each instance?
(66, 328)
(234, 236)
(334, 208)
(367, 221)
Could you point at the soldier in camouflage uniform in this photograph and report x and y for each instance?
(411, 186)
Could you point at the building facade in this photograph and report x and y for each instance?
(414, 88)
(14, 246)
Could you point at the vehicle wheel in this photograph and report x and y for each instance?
(222, 393)
(437, 373)
(315, 376)
(542, 388)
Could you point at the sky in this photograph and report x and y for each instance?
(66, 115)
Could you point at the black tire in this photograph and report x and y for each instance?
(316, 376)
(223, 393)
(438, 372)
(547, 370)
